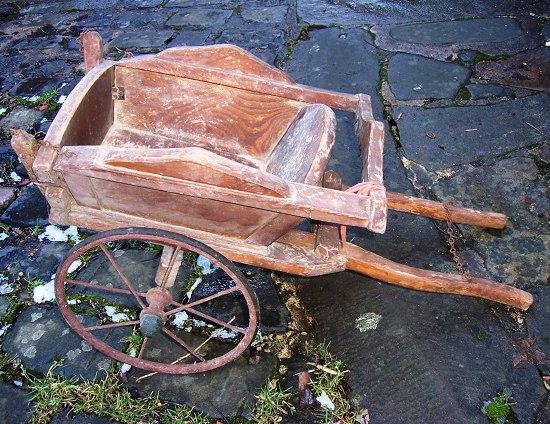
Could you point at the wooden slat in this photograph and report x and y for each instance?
(303, 200)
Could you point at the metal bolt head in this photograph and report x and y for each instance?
(150, 324)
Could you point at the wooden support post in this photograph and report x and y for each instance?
(165, 260)
(327, 235)
(26, 147)
(92, 47)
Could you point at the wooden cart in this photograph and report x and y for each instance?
(209, 146)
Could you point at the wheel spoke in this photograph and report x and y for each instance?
(212, 319)
(142, 348)
(203, 300)
(103, 288)
(168, 271)
(183, 344)
(113, 325)
(121, 274)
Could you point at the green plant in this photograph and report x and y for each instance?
(499, 408)
(47, 99)
(327, 377)
(35, 282)
(195, 272)
(183, 415)
(105, 398)
(272, 403)
(37, 230)
(153, 248)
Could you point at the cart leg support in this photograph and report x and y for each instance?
(372, 265)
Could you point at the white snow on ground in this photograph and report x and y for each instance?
(3, 236)
(199, 323)
(3, 110)
(18, 383)
(6, 288)
(126, 367)
(180, 318)
(61, 99)
(4, 329)
(193, 287)
(222, 333)
(74, 266)
(54, 233)
(15, 177)
(116, 316)
(44, 292)
(207, 266)
(325, 401)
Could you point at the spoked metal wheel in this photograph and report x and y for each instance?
(138, 280)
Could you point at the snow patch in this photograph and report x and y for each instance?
(61, 99)
(222, 333)
(180, 318)
(44, 292)
(3, 110)
(74, 266)
(116, 316)
(3, 236)
(325, 401)
(4, 329)
(54, 233)
(14, 176)
(206, 266)
(6, 288)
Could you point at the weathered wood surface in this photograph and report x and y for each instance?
(441, 211)
(303, 200)
(368, 263)
(327, 236)
(92, 49)
(370, 134)
(26, 147)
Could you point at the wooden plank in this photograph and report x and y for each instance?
(303, 200)
(26, 147)
(440, 211)
(302, 93)
(293, 254)
(327, 236)
(92, 48)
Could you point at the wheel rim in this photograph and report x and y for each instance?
(154, 304)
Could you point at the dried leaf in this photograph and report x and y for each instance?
(305, 395)
(528, 353)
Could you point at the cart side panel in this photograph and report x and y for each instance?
(231, 118)
(176, 209)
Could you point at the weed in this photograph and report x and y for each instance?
(499, 408)
(237, 9)
(134, 340)
(216, 35)
(46, 100)
(183, 415)
(483, 57)
(177, 28)
(153, 248)
(272, 403)
(87, 256)
(13, 310)
(328, 377)
(37, 230)
(194, 273)
(189, 258)
(463, 94)
(303, 35)
(105, 398)
(481, 336)
(35, 282)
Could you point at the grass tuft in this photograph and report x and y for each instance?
(47, 100)
(328, 376)
(272, 403)
(183, 415)
(106, 398)
(499, 408)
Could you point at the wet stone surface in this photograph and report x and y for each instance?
(444, 137)
(416, 77)
(234, 385)
(14, 405)
(29, 209)
(40, 337)
(20, 118)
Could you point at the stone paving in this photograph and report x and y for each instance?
(463, 90)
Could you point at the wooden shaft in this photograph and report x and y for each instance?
(437, 210)
(368, 263)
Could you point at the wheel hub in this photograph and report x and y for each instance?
(152, 317)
